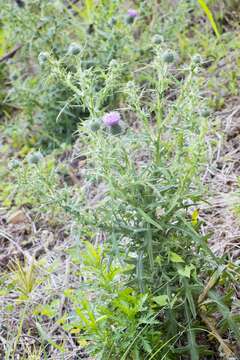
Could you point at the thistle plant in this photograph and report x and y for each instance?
(151, 182)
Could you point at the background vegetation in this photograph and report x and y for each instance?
(119, 136)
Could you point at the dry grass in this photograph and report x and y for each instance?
(221, 178)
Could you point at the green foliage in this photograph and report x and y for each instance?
(50, 28)
(144, 215)
(140, 280)
(36, 182)
(24, 278)
(110, 314)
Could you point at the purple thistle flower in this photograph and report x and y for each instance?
(111, 119)
(132, 13)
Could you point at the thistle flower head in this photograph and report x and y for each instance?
(112, 118)
(132, 13)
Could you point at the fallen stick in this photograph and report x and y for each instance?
(229, 354)
(10, 54)
(16, 245)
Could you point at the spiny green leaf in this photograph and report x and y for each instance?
(186, 271)
(175, 258)
(161, 300)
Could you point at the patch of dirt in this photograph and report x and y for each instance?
(26, 238)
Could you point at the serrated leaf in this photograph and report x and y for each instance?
(186, 271)
(146, 346)
(161, 300)
(101, 318)
(175, 258)
(83, 343)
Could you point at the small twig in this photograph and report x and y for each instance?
(211, 283)
(15, 244)
(65, 283)
(10, 54)
(230, 117)
(31, 337)
(74, 178)
(227, 351)
(73, 2)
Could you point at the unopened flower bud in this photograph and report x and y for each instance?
(74, 49)
(43, 57)
(197, 59)
(95, 125)
(13, 164)
(206, 112)
(157, 39)
(168, 56)
(35, 157)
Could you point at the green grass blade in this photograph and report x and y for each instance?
(210, 17)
